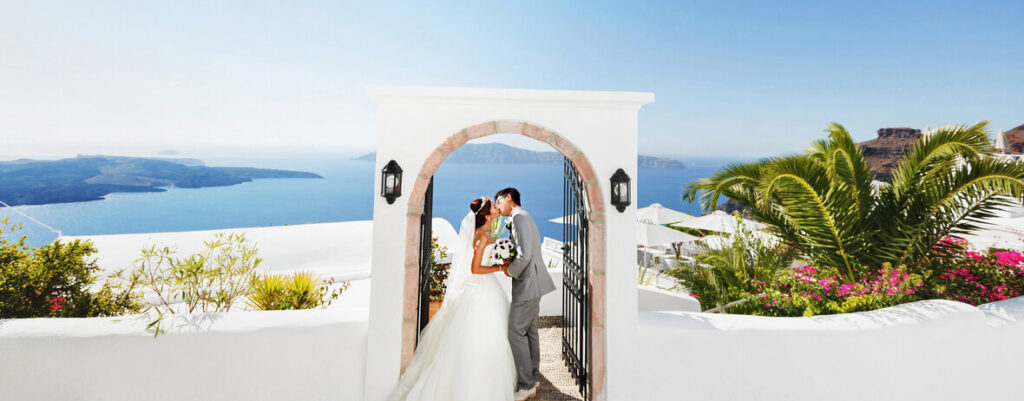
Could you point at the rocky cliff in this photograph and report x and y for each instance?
(1014, 139)
(884, 153)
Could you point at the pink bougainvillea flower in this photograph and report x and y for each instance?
(56, 303)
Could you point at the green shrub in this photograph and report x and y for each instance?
(56, 280)
(808, 291)
(438, 271)
(723, 275)
(302, 290)
(211, 280)
(962, 274)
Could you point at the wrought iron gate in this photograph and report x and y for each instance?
(426, 237)
(575, 290)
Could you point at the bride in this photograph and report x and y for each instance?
(463, 353)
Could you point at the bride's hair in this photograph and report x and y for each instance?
(481, 207)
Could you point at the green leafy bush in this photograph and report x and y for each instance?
(211, 280)
(438, 271)
(57, 280)
(808, 291)
(964, 275)
(302, 290)
(721, 275)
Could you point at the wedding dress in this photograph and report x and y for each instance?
(463, 353)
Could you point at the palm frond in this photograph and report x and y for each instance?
(959, 201)
(736, 181)
(801, 188)
(937, 150)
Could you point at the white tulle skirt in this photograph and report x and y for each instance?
(463, 353)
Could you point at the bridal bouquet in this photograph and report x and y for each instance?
(503, 250)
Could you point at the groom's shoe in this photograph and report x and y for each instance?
(523, 395)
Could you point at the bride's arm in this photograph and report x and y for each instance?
(478, 251)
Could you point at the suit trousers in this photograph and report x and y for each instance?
(525, 342)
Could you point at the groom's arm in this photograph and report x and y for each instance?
(522, 260)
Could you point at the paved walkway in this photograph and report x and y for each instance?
(556, 383)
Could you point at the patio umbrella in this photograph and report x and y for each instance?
(648, 234)
(985, 239)
(998, 232)
(718, 221)
(716, 241)
(658, 214)
(655, 213)
(563, 220)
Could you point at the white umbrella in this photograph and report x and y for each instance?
(998, 232)
(652, 234)
(655, 214)
(719, 221)
(658, 214)
(985, 239)
(716, 241)
(564, 220)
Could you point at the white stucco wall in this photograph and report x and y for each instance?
(933, 350)
(929, 350)
(244, 356)
(651, 299)
(412, 122)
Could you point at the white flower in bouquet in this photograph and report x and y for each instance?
(503, 250)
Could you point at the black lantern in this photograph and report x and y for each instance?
(620, 190)
(391, 181)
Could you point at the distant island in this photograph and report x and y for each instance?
(504, 154)
(86, 178)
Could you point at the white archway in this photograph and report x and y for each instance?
(418, 127)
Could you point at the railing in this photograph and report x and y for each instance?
(426, 238)
(575, 291)
(726, 306)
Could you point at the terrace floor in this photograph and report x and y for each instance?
(556, 383)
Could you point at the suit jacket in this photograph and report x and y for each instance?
(530, 277)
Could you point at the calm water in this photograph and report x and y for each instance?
(345, 194)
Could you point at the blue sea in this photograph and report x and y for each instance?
(345, 194)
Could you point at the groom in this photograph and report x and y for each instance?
(530, 281)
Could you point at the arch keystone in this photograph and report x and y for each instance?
(510, 127)
(481, 130)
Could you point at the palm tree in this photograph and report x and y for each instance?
(823, 202)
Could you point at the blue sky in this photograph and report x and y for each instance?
(740, 79)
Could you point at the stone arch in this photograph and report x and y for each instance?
(595, 241)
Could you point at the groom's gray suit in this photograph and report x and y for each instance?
(530, 281)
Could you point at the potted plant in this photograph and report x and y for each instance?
(438, 274)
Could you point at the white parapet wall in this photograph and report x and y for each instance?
(656, 299)
(928, 350)
(250, 356)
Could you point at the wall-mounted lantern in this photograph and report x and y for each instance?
(391, 181)
(620, 190)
